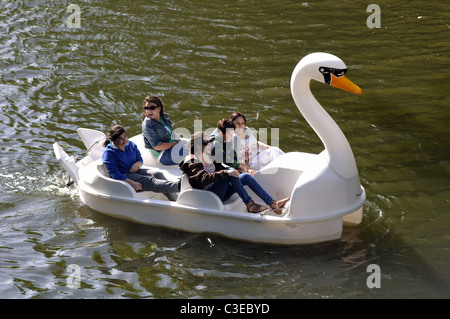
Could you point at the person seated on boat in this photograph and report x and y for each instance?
(158, 134)
(123, 162)
(249, 150)
(205, 173)
(223, 149)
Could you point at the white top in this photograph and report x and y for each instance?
(247, 148)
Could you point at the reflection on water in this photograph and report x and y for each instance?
(207, 60)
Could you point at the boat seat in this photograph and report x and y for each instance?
(93, 140)
(125, 189)
(206, 199)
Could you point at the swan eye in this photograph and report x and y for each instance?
(339, 72)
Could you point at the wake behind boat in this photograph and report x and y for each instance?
(324, 188)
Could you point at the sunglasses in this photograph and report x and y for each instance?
(151, 108)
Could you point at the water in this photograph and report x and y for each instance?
(206, 60)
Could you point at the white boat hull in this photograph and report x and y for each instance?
(236, 225)
(200, 211)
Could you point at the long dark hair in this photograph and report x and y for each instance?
(197, 144)
(114, 134)
(153, 99)
(224, 124)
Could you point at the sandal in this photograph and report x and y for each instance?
(277, 205)
(253, 208)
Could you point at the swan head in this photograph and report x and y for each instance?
(329, 69)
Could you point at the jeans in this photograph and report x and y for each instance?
(156, 182)
(230, 185)
(175, 154)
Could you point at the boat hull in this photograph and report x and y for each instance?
(236, 225)
(199, 211)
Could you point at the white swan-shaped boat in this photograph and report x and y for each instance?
(325, 189)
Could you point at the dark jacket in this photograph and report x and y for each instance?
(223, 152)
(198, 177)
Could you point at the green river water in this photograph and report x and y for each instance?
(206, 59)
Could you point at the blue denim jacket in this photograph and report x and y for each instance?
(154, 132)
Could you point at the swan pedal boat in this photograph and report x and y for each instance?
(324, 188)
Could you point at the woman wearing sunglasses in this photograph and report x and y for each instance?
(158, 133)
(204, 173)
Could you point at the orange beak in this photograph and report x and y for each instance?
(344, 83)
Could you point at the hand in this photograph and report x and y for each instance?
(244, 167)
(136, 185)
(233, 172)
(136, 166)
(251, 172)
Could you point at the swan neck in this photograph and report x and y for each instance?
(341, 157)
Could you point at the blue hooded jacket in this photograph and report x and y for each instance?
(118, 163)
